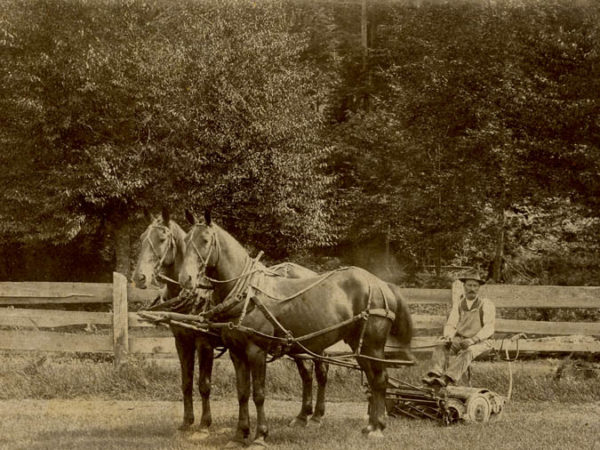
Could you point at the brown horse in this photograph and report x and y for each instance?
(259, 313)
(159, 260)
(292, 270)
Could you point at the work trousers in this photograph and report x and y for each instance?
(455, 369)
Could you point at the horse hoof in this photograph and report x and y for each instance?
(368, 429)
(314, 423)
(297, 422)
(376, 434)
(185, 427)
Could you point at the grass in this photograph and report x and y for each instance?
(67, 402)
(74, 424)
(45, 376)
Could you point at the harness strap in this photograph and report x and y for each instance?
(365, 319)
(385, 313)
(242, 283)
(271, 318)
(331, 328)
(307, 288)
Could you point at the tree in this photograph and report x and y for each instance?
(459, 123)
(113, 107)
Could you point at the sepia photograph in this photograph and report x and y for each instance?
(299, 224)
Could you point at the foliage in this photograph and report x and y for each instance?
(472, 110)
(115, 106)
(271, 114)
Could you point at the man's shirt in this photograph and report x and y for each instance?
(474, 319)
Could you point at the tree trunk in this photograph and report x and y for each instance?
(363, 31)
(499, 254)
(122, 245)
(388, 238)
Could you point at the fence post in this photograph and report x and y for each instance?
(120, 326)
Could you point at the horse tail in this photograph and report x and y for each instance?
(402, 327)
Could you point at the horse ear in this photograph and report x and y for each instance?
(207, 217)
(190, 217)
(147, 215)
(166, 215)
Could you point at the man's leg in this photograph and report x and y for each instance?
(463, 360)
(439, 361)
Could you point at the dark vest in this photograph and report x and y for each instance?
(470, 322)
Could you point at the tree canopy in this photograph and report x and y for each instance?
(272, 115)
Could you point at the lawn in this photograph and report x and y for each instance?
(98, 424)
(65, 401)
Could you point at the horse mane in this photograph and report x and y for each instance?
(234, 243)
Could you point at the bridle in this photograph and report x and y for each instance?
(160, 259)
(213, 245)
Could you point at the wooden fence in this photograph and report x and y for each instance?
(25, 329)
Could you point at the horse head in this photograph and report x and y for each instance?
(201, 252)
(161, 248)
(212, 256)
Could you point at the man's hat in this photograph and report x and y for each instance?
(472, 275)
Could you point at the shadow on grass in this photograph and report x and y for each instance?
(165, 436)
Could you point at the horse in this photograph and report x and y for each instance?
(159, 261)
(307, 415)
(259, 313)
(160, 256)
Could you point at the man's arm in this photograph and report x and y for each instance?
(489, 322)
(451, 323)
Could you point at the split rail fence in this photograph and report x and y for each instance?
(27, 329)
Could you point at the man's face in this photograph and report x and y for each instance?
(471, 289)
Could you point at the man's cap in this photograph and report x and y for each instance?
(471, 275)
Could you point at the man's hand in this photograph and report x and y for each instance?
(446, 340)
(455, 345)
(466, 343)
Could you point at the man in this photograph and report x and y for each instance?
(467, 332)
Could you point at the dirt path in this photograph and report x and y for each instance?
(92, 424)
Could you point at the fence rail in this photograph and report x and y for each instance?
(39, 329)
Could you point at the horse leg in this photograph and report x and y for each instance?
(258, 366)
(242, 375)
(377, 378)
(306, 408)
(373, 346)
(186, 351)
(321, 369)
(205, 366)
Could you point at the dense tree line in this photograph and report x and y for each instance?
(461, 121)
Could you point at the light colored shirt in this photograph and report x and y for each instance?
(484, 325)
